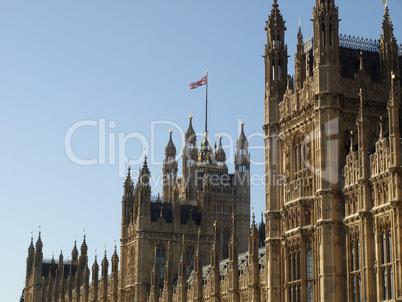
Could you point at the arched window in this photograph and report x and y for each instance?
(160, 260)
(355, 273)
(387, 262)
(294, 274)
(309, 271)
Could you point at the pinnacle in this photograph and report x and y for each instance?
(300, 35)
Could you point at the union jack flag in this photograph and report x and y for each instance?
(201, 82)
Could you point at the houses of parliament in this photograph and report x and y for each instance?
(333, 202)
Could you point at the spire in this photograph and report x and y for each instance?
(84, 247)
(144, 177)
(105, 266)
(276, 62)
(145, 169)
(299, 35)
(39, 244)
(220, 153)
(276, 18)
(170, 150)
(190, 134)
(74, 252)
(61, 258)
(242, 142)
(95, 269)
(31, 249)
(300, 61)
(115, 260)
(388, 49)
(129, 181)
(387, 27)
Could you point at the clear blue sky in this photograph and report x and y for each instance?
(129, 63)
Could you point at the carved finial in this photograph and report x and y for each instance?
(385, 2)
(170, 130)
(190, 116)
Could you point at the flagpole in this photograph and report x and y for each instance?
(206, 103)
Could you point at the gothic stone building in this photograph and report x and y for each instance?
(333, 193)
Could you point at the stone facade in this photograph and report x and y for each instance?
(333, 193)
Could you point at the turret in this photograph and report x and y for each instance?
(74, 253)
(254, 273)
(128, 200)
(300, 62)
(220, 154)
(242, 159)
(327, 70)
(38, 253)
(388, 49)
(190, 152)
(84, 253)
(104, 283)
(276, 64)
(143, 190)
(169, 170)
(115, 276)
(95, 279)
(30, 259)
(61, 281)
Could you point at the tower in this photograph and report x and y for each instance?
(388, 49)
(276, 63)
(327, 72)
(169, 171)
(242, 178)
(275, 60)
